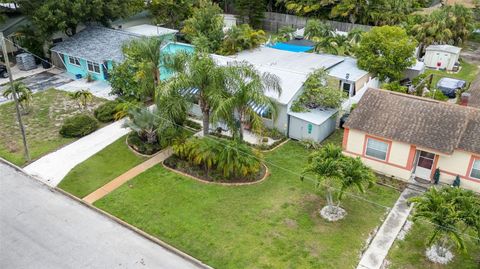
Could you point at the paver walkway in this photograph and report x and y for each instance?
(117, 182)
(386, 235)
(53, 167)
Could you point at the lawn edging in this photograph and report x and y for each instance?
(117, 220)
(267, 173)
(138, 153)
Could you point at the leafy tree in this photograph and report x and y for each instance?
(386, 51)
(50, 16)
(245, 86)
(171, 12)
(317, 29)
(351, 9)
(240, 38)
(205, 27)
(448, 25)
(197, 71)
(126, 84)
(145, 57)
(24, 95)
(251, 11)
(318, 93)
(83, 97)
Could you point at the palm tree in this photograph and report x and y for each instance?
(197, 71)
(145, 123)
(24, 95)
(146, 54)
(438, 207)
(317, 29)
(238, 159)
(83, 97)
(172, 106)
(355, 174)
(245, 86)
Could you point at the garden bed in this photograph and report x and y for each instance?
(198, 173)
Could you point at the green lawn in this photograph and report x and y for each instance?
(42, 124)
(410, 253)
(273, 224)
(468, 73)
(101, 168)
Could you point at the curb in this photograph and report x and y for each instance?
(115, 219)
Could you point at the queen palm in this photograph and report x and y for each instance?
(172, 106)
(197, 72)
(245, 87)
(24, 95)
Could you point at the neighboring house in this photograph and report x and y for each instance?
(94, 49)
(409, 137)
(441, 56)
(10, 28)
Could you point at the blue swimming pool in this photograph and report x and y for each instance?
(290, 47)
(172, 48)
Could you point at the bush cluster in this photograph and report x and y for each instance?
(106, 111)
(78, 126)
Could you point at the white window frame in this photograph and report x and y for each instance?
(473, 168)
(380, 141)
(75, 60)
(93, 64)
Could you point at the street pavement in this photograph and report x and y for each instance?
(43, 228)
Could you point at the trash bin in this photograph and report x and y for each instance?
(78, 76)
(46, 64)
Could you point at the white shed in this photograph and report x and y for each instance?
(441, 56)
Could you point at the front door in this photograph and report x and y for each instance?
(424, 165)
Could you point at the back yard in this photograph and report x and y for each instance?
(48, 110)
(272, 224)
(468, 73)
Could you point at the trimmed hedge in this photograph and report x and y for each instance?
(78, 126)
(106, 111)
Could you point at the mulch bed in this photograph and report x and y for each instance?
(199, 173)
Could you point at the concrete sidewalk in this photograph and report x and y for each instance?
(386, 235)
(53, 167)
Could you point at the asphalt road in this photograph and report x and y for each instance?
(42, 228)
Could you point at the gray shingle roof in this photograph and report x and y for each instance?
(96, 43)
(427, 123)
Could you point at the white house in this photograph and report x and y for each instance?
(441, 56)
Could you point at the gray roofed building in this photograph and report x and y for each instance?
(440, 126)
(96, 43)
(445, 48)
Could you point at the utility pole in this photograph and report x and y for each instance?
(15, 98)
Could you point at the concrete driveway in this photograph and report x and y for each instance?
(42, 228)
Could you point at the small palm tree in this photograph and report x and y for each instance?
(145, 122)
(238, 159)
(83, 97)
(245, 86)
(24, 95)
(355, 174)
(172, 106)
(438, 207)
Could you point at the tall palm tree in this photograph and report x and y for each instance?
(355, 174)
(172, 106)
(83, 97)
(437, 207)
(197, 71)
(245, 86)
(24, 95)
(146, 54)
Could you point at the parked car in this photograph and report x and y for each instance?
(3, 71)
(450, 86)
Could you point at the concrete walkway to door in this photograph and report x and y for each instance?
(53, 167)
(378, 249)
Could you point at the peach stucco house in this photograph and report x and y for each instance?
(409, 137)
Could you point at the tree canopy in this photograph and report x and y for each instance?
(386, 51)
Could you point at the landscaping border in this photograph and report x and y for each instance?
(115, 219)
(267, 174)
(138, 153)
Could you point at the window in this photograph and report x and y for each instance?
(93, 67)
(425, 160)
(475, 173)
(73, 60)
(376, 149)
(346, 88)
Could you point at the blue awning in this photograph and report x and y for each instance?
(191, 91)
(261, 110)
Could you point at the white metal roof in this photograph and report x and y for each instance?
(445, 48)
(291, 82)
(150, 30)
(348, 66)
(315, 116)
(294, 62)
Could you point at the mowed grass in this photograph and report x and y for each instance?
(273, 224)
(101, 168)
(468, 73)
(410, 253)
(48, 110)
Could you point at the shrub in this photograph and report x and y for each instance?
(437, 95)
(106, 111)
(241, 37)
(142, 147)
(78, 126)
(395, 87)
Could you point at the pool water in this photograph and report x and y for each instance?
(172, 48)
(290, 47)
